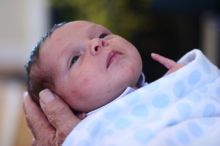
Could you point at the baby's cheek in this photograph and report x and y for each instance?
(85, 81)
(87, 85)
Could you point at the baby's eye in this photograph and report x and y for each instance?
(74, 60)
(103, 35)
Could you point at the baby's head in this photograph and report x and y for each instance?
(85, 64)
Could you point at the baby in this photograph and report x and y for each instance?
(97, 72)
(86, 65)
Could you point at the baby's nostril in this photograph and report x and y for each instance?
(103, 43)
(96, 48)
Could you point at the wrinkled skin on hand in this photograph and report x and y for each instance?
(52, 122)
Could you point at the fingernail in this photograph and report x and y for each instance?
(25, 94)
(25, 99)
(46, 96)
(154, 54)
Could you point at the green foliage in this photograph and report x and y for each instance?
(120, 16)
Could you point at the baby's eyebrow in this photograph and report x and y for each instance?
(98, 27)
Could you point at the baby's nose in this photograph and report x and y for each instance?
(97, 45)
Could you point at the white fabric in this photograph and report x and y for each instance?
(182, 108)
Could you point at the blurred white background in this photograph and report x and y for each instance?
(22, 22)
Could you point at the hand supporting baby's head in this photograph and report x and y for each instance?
(85, 64)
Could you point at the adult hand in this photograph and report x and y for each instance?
(171, 65)
(51, 122)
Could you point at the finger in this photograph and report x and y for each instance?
(168, 63)
(36, 120)
(175, 68)
(34, 142)
(57, 112)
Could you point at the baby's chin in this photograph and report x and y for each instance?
(82, 110)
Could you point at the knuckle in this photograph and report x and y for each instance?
(62, 133)
(34, 142)
(48, 140)
(55, 108)
(60, 138)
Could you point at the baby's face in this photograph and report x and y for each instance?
(90, 65)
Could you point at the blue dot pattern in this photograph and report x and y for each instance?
(160, 101)
(194, 129)
(140, 111)
(182, 137)
(121, 123)
(179, 89)
(143, 136)
(209, 110)
(180, 109)
(194, 77)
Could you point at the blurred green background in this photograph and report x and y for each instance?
(168, 27)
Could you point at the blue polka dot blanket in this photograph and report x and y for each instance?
(179, 109)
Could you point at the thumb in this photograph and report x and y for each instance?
(57, 112)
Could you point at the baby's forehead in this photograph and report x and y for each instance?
(83, 23)
(74, 29)
(64, 35)
(79, 27)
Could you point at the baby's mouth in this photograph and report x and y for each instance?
(111, 56)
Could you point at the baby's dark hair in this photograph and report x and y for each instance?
(37, 79)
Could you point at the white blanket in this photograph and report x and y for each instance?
(181, 108)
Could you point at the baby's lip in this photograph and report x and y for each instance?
(111, 56)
